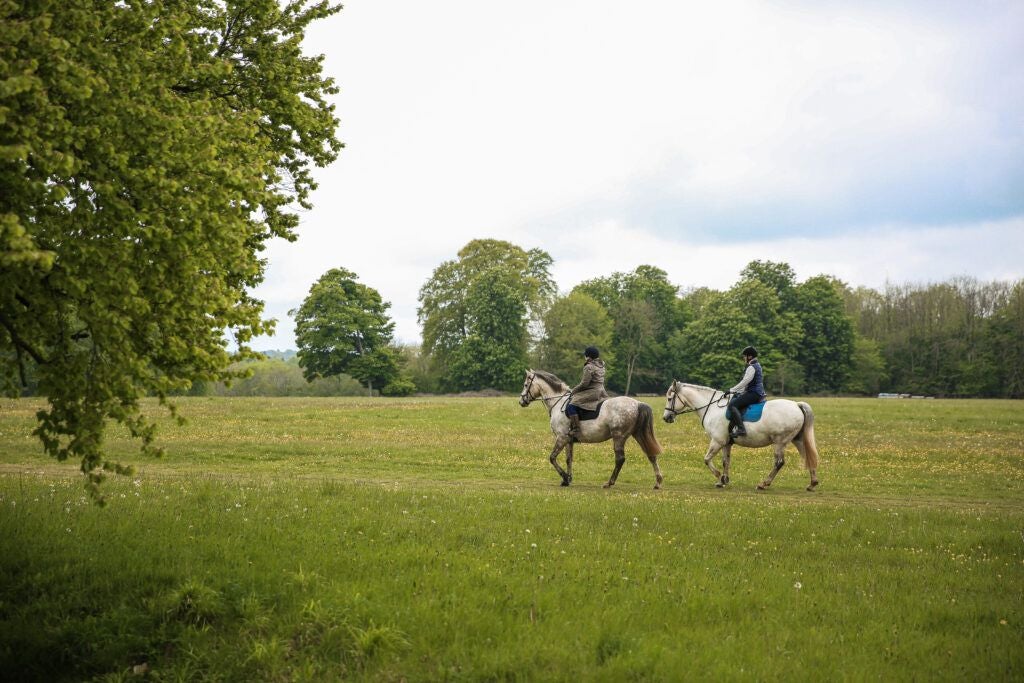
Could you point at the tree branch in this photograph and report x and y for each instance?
(225, 39)
(20, 343)
(21, 367)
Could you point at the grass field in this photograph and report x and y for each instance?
(428, 539)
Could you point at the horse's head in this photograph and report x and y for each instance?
(674, 403)
(529, 392)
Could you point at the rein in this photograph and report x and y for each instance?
(687, 409)
(552, 407)
(529, 397)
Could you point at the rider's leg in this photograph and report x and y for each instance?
(735, 411)
(735, 419)
(574, 421)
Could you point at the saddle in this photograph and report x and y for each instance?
(585, 414)
(751, 413)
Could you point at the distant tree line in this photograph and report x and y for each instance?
(655, 333)
(493, 311)
(956, 338)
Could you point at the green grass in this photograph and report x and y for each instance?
(428, 539)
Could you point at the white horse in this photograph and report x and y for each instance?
(781, 423)
(621, 417)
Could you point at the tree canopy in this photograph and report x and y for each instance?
(573, 323)
(476, 311)
(955, 338)
(814, 336)
(493, 353)
(827, 342)
(343, 327)
(148, 151)
(645, 310)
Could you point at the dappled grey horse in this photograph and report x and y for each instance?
(620, 418)
(781, 423)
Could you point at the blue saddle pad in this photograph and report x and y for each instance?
(753, 412)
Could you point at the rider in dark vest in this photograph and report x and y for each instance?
(749, 391)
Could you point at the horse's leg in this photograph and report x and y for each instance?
(713, 448)
(568, 463)
(619, 444)
(657, 471)
(780, 460)
(559, 445)
(802, 447)
(726, 461)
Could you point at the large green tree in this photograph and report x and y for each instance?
(707, 350)
(454, 309)
(867, 368)
(827, 347)
(343, 327)
(646, 311)
(493, 354)
(636, 324)
(573, 323)
(778, 277)
(148, 151)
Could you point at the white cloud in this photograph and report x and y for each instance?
(566, 125)
(870, 258)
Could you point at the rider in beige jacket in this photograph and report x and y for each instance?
(589, 392)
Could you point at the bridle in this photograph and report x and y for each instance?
(670, 406)
(526, 398)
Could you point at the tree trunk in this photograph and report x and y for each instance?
(629, 373)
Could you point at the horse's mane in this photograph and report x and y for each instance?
(700, 386)
(552, 380)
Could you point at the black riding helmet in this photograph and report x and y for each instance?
(750, 351)
(591, 352)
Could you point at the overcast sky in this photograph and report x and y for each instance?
(872, 141)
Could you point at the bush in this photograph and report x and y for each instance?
(399, 387)
(276, 377)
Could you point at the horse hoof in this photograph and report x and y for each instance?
(607, 486)
(657, 487)
(719, 485)
(565, 482)
(762, 487)
(812, 486)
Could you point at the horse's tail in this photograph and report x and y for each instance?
(806, 435)
(643, 431)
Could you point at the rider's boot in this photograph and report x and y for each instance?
(736, 423)
(574, 427)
